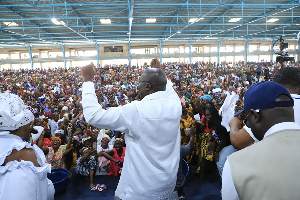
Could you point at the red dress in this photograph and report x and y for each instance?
(114, 167)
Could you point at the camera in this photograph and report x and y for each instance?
(283, 54)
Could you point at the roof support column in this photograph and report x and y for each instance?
(272, 50)
(298, 51)
(160, 52)
(246, 50)
(219, 53)
(191, 43)
(129, 53)
(30, 56)
(97, 49)
(64, 54)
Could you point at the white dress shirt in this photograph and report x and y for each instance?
(228, 189)
(296, 98)
(152, 136)
(249, 131)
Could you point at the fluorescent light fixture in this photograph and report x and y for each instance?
(105, 21)
(234, 19)
(128, 33)
(273, 20)
(10, 24)
(57, 22)
(178, 31)
(150, 20)
(192, 20)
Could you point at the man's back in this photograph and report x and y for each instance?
(268, 169)
(152, 134)
(153, 148)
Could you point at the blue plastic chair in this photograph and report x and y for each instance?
(185, 168)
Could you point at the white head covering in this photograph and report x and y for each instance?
(13, 112)
(101, 135)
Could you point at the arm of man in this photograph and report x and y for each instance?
(239, 138)
(111, 119)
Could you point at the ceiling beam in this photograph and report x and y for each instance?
(171, 22)
(12, 10)
(15, 38)
(221, 15)
(259, 18)
(142, 4)
(76, 12)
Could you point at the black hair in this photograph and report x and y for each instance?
(214, 114)
(288, 76)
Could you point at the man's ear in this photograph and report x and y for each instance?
(256, 116)
(148, 86)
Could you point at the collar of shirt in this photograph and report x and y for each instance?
(280, 127)
(295, 96)
(155, 95)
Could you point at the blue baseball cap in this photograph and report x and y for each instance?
(263, 95)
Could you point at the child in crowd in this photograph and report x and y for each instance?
(104, 163)
(116, 155)
(87, 165)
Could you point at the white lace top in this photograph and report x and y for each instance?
(22, 180)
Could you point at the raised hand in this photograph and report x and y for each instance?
(88, 72)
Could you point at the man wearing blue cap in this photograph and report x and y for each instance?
(266, 170)
(289, 77)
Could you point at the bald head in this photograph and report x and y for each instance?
(152, 80)
(157, 78)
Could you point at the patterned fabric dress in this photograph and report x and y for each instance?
(185, 126)
(207, 144)
(83, 168)
(56, 158)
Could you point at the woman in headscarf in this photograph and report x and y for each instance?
(22, 165)
(56, 153)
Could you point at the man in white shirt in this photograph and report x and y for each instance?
(289, 77)
(152, 135)
(269, 168)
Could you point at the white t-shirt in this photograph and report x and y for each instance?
(152, 136)
(249, 131)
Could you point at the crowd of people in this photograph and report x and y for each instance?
(91, 122)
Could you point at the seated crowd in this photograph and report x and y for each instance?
(54, 96)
